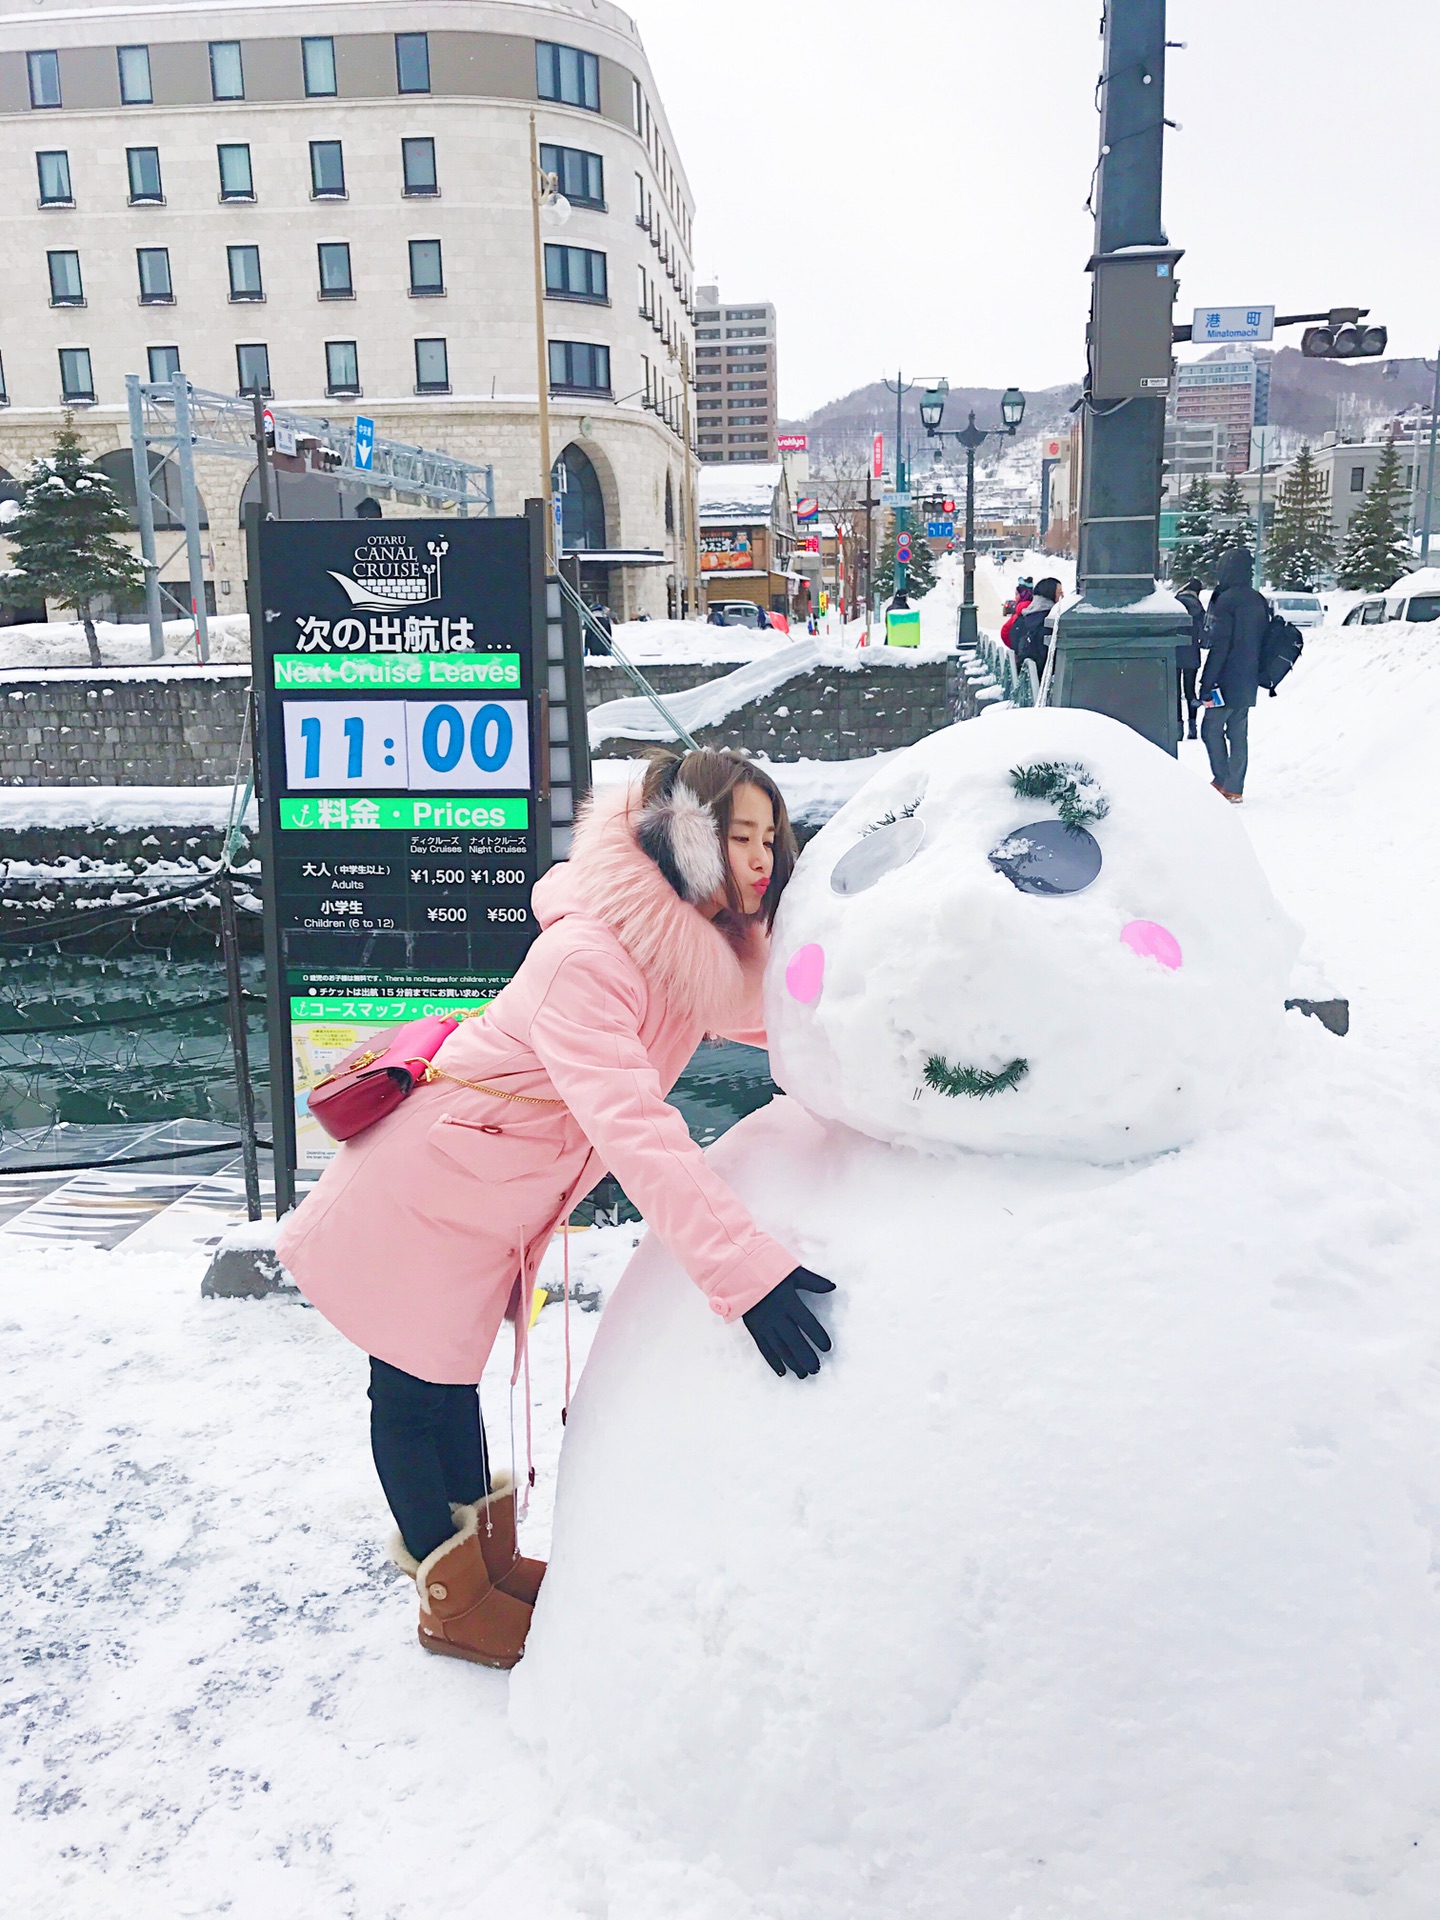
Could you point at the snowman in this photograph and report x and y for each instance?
(1092, 1573)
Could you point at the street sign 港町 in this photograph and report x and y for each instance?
(402, 823)
(1215, 325)
(364, 443)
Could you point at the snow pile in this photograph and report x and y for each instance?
(1121, 1052)
(653, 641)
(813, 789)
(1093, 1573)
(61, 643)
(637, 718)
(119, 807)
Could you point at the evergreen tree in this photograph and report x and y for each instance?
(1301, 544)
(1190, 558)
(66, 537)
(919, 575)
(1240, 533)
(1377, 550)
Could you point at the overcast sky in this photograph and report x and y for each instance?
(906, 178)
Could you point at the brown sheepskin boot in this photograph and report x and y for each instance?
(462, 1611)
(495, 1524)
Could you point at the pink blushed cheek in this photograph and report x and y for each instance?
(805, 975)
(1153, 942)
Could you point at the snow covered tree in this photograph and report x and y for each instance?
(66, 537)
(919, 575)
(1377, 550)
(1240, 533)
(1301, 545)
(1190, 558)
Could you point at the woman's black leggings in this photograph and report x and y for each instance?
(429, 1448)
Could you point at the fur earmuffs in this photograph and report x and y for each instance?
(679, 832)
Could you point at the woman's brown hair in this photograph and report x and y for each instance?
(711, 775)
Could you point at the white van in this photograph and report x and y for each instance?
(1300, 609)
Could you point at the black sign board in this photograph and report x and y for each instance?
(399, 677)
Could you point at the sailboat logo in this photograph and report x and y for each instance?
(387, 572)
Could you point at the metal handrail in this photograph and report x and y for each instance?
(589, 621)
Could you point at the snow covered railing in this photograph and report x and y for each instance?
(707, 705)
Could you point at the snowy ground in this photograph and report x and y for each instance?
(61, 643)
(212, 1701)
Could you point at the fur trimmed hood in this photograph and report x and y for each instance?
(694, 962)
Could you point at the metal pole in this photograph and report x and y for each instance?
(969, 620)
(145, 515)
(1430, 469)
(239, 1041)
(869, 546)
(190, 506)
(264, 472)
(1260, 518)
(542, 355)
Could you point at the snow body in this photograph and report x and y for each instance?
(1093, 1573)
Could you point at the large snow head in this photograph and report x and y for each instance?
(1032, 933)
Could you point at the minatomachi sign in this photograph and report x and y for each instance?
(404, 818)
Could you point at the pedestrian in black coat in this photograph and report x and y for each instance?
(1234, 634)
(1187, 654)
(1028, 637)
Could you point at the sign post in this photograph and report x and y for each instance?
(404, 775)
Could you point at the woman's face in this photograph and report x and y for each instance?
(751, 848)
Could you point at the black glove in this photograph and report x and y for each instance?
(784, 1328)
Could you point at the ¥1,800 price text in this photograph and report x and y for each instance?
(458, 876)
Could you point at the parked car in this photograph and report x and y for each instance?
(738, 613)
(1300, 609)
(1365, 613)
(1419, 608)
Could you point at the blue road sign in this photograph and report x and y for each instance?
(364, 443)
(939, 529)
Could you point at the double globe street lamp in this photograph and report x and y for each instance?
(932, 412)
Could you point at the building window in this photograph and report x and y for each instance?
(581, 175)
(44, 79)
(143, 164)
(227, 71)
(708, 386)
(76, 380)
(65, 286)
(567, 75)
(412, 62)
(237, 182)
(155, 287)
(4, 390)
(427, 274)
(245, 282)
(711, 439)
(575, 273)
(708, 406)
(432, 367)
(578, 367)
(335, 281)
(54, 171)
(744, 313)
(135, 89)
(582, 503)
(342, 367)
(707, 333)
(252, 364)
(418, 159)
(164, 363)
(327, 170)
(1357, 479)
(318, 57)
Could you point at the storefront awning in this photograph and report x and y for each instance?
(619, 556)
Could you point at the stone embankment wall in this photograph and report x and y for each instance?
(139, 727)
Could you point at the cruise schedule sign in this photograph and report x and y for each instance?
(403, 824)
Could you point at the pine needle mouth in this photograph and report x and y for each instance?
(973, 1083)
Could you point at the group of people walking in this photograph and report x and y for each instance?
(1217, 667)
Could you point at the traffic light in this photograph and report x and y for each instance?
(1347, 341)
(326, 459)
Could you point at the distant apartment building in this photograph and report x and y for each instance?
(1214, 407)
(736, 392)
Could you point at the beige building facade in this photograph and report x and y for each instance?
(332, 206)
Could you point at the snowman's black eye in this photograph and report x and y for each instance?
(1048, 857)
(892, 844)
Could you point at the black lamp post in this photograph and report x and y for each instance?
(932, 412)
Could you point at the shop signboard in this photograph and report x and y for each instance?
(726, 550)
(404, 804)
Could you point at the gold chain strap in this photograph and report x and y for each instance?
(433, 1072)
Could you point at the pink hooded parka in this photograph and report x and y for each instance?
(426, 1229)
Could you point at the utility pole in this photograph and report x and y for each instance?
(1430, 470)
(541, 189)
(145, 514)
(1113, 653)
(869, 544)
(899, 388)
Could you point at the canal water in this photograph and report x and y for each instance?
(99, 1055)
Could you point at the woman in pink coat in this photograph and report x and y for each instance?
(425, 1231)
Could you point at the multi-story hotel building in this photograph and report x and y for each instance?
(736, 390)
(331, 205)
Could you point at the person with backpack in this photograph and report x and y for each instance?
(1235, 630)
(1028, 639)
(1187, 655)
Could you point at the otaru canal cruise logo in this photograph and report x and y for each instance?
(388, 572)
